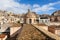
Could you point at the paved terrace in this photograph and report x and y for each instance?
(47, 33)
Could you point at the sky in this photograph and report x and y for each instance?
(38, 6)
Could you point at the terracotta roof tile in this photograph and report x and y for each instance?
(2, 35)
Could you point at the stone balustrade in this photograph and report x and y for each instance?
(54, 36)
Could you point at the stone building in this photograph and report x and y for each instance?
(30, 17)
(54, 29)
(14, 29)
(44, 19)
(58, 18)
(33, 18)
(56, 13)
(55, 17)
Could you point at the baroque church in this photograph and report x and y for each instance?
(33, 18)
(30, 17)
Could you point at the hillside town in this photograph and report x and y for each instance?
(29, 26)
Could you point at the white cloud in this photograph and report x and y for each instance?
(36, 6)
(46, 7)
(13, 6)
(16, 7)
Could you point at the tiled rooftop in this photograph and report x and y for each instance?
(2, 35)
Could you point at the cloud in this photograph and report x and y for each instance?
(11, 5)
(36, 6)
(45, 7)
(16, 7)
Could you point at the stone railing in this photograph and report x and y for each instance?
(54, 23)
(47, 33)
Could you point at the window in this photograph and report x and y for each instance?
(45, 20)
(42, 21)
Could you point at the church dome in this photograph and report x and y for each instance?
(30, 14)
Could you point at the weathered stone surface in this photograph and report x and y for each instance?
(30, 33)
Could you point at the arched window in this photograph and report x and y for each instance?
(37, 20)
(30, 21)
